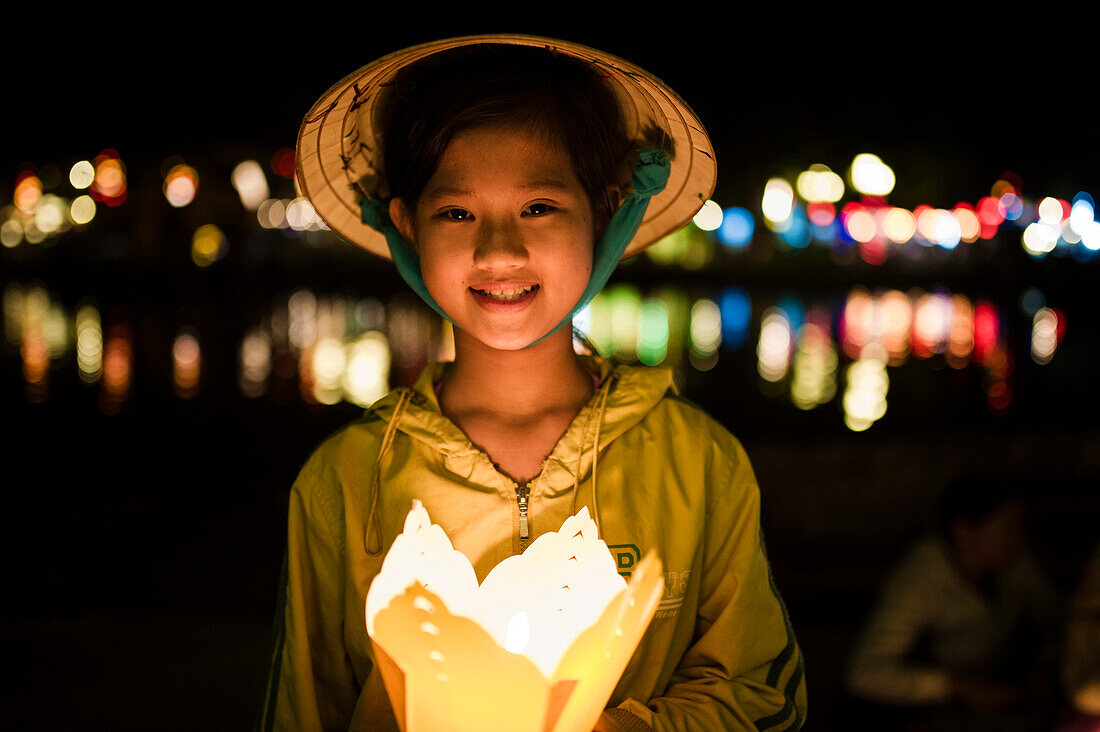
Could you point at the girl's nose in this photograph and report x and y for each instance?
(500, 246)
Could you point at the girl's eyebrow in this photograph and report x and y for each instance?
(544, 183)
(440, 191)
(536, 184)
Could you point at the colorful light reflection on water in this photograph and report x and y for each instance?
(344, 350)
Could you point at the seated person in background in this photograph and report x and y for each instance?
(1081, 659)
(966, 623)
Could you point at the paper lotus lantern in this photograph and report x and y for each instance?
(539, 645)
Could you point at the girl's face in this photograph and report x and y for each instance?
(504, 231)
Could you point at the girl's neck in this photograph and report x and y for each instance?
(516, 384)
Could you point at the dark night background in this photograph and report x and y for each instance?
(143, 548)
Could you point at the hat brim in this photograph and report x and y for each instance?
(329, 171)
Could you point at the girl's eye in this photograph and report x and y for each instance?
(538, 209)
(457, 214)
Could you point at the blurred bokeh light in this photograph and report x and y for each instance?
(181, 184)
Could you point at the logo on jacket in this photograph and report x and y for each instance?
(626, 556)
(676, 583)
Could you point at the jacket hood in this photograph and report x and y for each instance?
(625, 395)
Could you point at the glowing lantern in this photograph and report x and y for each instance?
(709, 217)
(109, 180)
(180, 185)
(539, 646)
(871, 176)
(819, 184)
(778, 202)
(821, 213)
(248, 178)
(899, 224)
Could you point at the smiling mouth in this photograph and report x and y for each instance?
(505, 294)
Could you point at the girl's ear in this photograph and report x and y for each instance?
(403, 221)
(615, 196)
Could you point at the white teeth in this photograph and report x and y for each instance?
(509, 294)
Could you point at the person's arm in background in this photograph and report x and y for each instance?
(1081, 650)
(879, 669)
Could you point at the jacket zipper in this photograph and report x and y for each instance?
(522, 493)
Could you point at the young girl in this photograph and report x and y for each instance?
(506, 176)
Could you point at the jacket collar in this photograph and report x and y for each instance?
(631, 392)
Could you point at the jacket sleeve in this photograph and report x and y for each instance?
(879, 669)
(744, 670)
(311, 685)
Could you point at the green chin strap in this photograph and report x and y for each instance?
(649, 178)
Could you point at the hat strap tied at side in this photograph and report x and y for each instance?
(404, 258)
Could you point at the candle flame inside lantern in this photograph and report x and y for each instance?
(539, 645)
(519, 632)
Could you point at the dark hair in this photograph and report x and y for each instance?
(532, 88)
(973, 498)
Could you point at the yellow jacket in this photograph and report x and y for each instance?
(655, 472)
